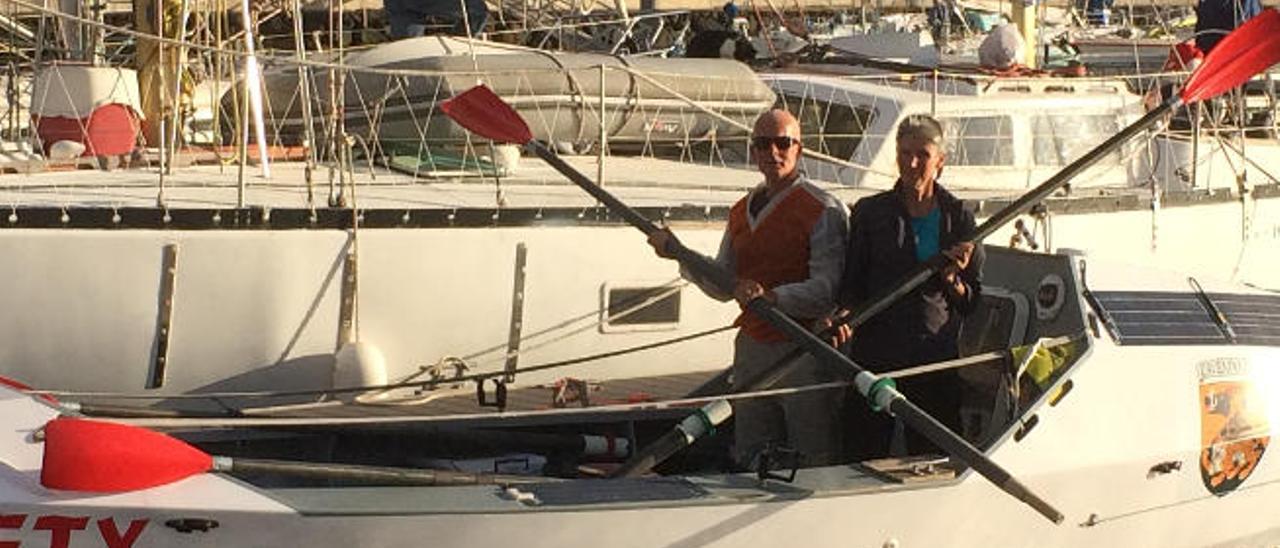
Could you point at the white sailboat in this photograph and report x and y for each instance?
(1134, 405)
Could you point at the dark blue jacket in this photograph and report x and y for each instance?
(1216, 18)
(922, 326)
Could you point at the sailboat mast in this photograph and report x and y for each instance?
(308, 123)
(253, 87)
(1024, 19)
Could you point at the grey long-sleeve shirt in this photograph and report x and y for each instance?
(813, 297)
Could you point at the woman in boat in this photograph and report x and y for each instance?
(890, 233)
(784, 242)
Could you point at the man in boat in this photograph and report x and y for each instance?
(784, 242)
(889, 234)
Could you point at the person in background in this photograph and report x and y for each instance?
(785, 243)
(413, 18)
(1216, 18)
(889, 234)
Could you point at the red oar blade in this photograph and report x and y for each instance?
(480, 110)
(88, 455)
(1248, 50)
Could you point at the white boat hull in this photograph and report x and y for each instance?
(1095, 455)
(261, 309)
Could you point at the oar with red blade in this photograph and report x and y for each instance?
(1245, 52)
(484, 113)
(108, 457)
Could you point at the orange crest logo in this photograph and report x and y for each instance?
(1233, 425)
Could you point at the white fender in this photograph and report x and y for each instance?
(64, 150)
(359, 363)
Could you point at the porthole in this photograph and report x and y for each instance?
(1049, 297)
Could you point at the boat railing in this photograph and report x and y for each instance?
(346, 136)
(705, 124)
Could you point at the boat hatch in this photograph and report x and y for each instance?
(1183, 318)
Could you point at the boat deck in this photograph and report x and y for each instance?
(571, 399)
(207, 194)
(461, 399)
(210, 184)
(623, 493)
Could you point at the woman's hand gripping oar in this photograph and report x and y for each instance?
(485, 114)
(1245, 52)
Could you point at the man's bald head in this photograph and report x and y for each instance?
(775, 142)
(776, 122)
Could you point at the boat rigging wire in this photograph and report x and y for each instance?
(393, 386)
(633, 305)
(1095, 519)
(261, 420)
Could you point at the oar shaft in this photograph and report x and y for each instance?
(616, 206)
(696, 425)
(929, 427)
(923, 271)
(135, 411)
(699, 264)
(695, 261)
(407, 440)
(380, 475)
(1063, 176)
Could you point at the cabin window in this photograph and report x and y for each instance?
(1059, 140)
(831, 128)
(639, 307)
(979, 140)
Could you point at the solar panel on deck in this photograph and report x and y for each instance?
(1171, 318)
(1256, 318)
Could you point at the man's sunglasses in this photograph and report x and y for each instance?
(782, 142)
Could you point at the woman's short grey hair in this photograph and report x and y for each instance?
(921, 126)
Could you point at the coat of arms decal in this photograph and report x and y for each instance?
(1233, 424)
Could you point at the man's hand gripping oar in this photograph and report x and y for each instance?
(485, 114)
